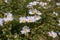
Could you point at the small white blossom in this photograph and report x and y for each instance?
(6, 1)
(31, 19)
(22, 19)
(58, 24)
(49, 0)
(25, 30)
(59, 33)
(37, 17)
(52, 34)
(1, 22)
(39, 13)
(43, 4)
(32, 11)
(55, 13)
(58, 4)
(35, 3)
(31, 4)
(9, 17)
(59, 20)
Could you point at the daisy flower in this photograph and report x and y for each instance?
(58, 4)
(32, 11)
(49, 0)
(55, 13)
(5, 1)
(37, 17)
(9, 17)
(1, 22)
(43, 4)
(25, 30)
(52, 34)
(39, 13)
(31, 4)
(22, 19)
(59, 22)
(34, 3)
(31, 19)
(59, 33)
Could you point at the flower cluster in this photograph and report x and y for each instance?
(34, 3)
(31, 4)
(29, 19)
(8, 17)
(32, 11)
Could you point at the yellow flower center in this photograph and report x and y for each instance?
(29, 20)
(8, 16)
(23, 21)
(25, 30)
(33, 13)
(51, 34)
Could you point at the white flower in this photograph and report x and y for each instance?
(31, 4)
(55, 13)
(35, 3)
(31, 19)
(52, 34)
(43, 4)
(8, 17)
(59, 20)
(59, 33)
(32, 11)
(49, 0)
(59, 24)
(37, 17)
(1, 22)
(6, 1)
(58, 4)
(25, 30)
(39, 13)
(22, 19)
